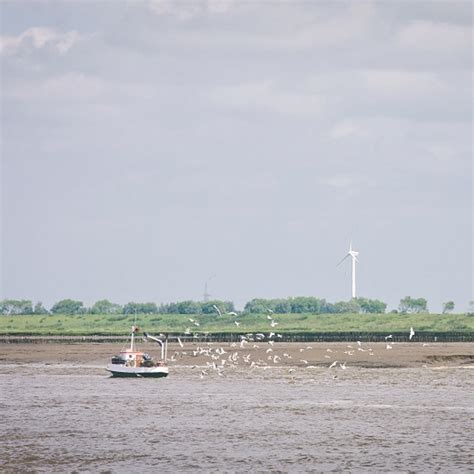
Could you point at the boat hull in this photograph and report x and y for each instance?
(121, 371)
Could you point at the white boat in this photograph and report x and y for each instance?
(132, 363)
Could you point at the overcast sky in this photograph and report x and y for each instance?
(149, 145)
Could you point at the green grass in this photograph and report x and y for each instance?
(323, 323)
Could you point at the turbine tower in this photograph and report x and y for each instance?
(353, 254)
(206, 295)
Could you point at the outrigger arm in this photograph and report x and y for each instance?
(163, 344)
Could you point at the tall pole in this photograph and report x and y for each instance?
(353, 276)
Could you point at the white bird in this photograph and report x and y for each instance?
(358, 342)
(269, 350)
(271, 335)
(237, 323)
(273, 324)
(328, 350)
(217, 309)
(333, 364)
(191, 320)
(180, 343)
(388, 337)
(389, 346)
(232, 313)
(343, 366)
(412, 333)
(304, 361)
(269, 317)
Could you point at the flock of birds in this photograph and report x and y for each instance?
(219, 359)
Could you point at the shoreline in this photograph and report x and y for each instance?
(311, 354)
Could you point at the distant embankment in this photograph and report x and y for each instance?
(234, 337)
(297, 327)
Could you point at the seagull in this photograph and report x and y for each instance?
(358, 342)
(333, 364)
(412, 333)
(217, 309)
(269, 317)
(180, 343)
(389, 346)
(304, 361)
(343, 366)
(233, 313)
(273, 324)
(236, 323)
(388, 337)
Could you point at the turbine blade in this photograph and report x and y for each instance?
(348, 255)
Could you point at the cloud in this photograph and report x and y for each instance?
(38, 38)
(349, 128)
(435, 37)
(72, 86)
(349, 183)
(184, 11)
(265, 95)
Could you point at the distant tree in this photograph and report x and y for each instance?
(189, 307)
(307, 304)
(413, 305)
(351, 306)
(140, 308)
(371, 306)
(259, 305)
(470, 310)
(105, 307)
(40, 309)
(16, 307)
(448, 306)
(68, 306)
(282, 306)
(224, 307)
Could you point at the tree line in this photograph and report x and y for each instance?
(300, 304)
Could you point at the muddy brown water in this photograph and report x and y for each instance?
(66, 414)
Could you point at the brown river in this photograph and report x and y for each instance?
(73, 417)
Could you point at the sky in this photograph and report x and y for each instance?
(149, 145)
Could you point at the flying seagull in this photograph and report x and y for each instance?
(412, 333)
(217, 309)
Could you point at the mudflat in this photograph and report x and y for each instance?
(369, 355)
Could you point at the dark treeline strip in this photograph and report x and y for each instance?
(300, 304)
(427, 336)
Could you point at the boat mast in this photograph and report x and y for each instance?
(134, 328)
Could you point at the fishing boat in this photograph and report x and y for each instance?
(133, 363)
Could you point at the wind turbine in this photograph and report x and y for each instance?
(353, 254)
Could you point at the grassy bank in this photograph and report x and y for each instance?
(324, 323)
